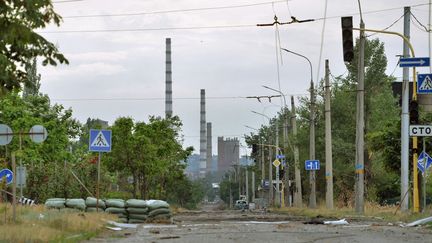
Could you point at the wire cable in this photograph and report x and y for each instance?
(322, 41)
(172, 11)
(420, 23)
(388, 27)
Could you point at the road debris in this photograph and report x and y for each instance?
(418, 222)
(336, 222)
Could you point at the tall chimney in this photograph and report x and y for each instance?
(209, 147)
(168, 79)
(203, 140)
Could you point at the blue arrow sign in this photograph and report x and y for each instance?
(8, 174)
(280, 156)
(414, 62)
(312, 165)
(100, 140)
(424, 83)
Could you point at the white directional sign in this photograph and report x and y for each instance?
(420, 131)
(424, 83)
(100, 140)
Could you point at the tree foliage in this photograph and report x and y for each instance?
(20, 44)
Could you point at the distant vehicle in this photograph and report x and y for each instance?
(241, 204)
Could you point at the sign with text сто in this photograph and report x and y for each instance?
(420, 131)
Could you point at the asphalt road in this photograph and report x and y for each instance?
(235, 226)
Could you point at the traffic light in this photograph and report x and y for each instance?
(347, 39)
(414, 112)
(254, 149)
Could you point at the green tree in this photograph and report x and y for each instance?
(20, 44)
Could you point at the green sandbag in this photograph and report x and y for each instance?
(91, 202)
(137, 210)
(55, 204)
(115, 203)
(155, 204)
(115, 210)
(78, 203)
(56, 199)
(136, 203)
(93, 209)
(138, 216)
(121, 215)
(136, 221)
(159, 211)
(122, 220)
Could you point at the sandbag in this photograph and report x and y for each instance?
(93, 209)
(138, 216)
(136, 203)
(137, 210)
(76, 203)
(55, 204)
(122, 220)
(159, 211)
(116, 210)
(136, 221)
(91, 202)
(56, 199)
(115, 203)
(155, 204)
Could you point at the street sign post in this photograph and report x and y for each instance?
(312, 165)
(420, 130)
(414, 62)
(99, 141)
(424, 83)
(7, 174)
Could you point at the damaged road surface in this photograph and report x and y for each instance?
(232, 226)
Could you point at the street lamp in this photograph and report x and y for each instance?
(270, 165)
(312, 198)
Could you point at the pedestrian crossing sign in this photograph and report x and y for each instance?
(100, 140)
(424, 83)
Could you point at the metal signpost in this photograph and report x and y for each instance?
(100, 141)
(37, 134)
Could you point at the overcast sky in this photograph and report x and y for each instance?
(114, 73)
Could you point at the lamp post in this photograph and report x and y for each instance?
(312, 197)
(271, 199)
(285, 142)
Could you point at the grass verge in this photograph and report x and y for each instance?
(37, 224)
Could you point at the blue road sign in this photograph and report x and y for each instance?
(414, 62)
(8, 174)
(421, 162)
(312, 165)
(100, 140)
(424, 83)
(280, 156)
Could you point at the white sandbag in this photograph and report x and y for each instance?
(155, 204)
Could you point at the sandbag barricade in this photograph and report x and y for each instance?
(55, 203)
(158, 210)
(91, 203)
(76, 203)
(137, 211)
(117, 207)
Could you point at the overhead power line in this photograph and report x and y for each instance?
(173, 10)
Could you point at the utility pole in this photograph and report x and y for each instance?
(277, 198)
(312, 183)
(359, 166)
(328, 141)
(298, 196)
(247, 182)
(271, 199)
(405, 119)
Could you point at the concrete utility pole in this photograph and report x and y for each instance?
(247, 182)
(359, 166)
(405, 119)
(328, 140)
(298, 196)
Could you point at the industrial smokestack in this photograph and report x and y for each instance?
(209, 147)
(168, 79)
(203, 139)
